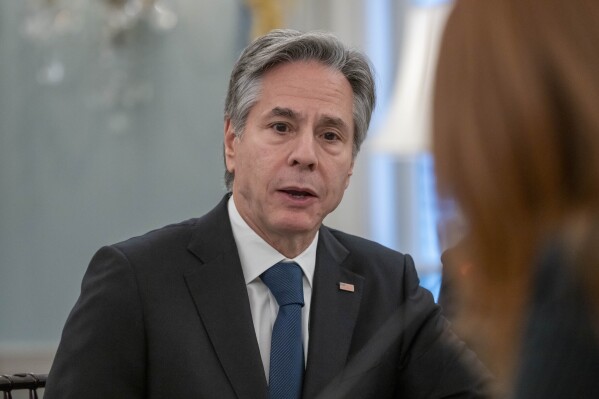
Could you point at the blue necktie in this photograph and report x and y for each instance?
(286, 351)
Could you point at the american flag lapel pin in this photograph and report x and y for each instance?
(346, 287)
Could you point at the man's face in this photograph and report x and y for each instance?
(294, 159)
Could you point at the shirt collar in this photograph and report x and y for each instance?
(256, 255)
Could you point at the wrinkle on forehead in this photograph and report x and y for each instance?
(290, 82)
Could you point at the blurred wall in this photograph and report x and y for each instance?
(101, 137)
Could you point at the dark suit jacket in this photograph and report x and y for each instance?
(167, 315)
(560, 347)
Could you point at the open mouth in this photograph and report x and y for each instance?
(298, 194)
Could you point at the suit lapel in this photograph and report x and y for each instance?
(333, 314)
(220, 295)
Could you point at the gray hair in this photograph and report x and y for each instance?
(284, 46)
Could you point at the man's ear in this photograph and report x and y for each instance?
(349, 173)
(229, 141)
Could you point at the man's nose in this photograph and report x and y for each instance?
(303, 152)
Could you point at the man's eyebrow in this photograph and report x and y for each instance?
(284, 112)
(333, 122)
(326, 120)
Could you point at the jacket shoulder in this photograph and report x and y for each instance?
(360, 246)
(172, 234)
(180, 235)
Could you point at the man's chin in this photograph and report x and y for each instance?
(301, 226)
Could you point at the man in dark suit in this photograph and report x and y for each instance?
(185, 311)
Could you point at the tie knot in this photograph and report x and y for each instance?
(285, 282)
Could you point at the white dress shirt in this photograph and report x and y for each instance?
(256, 257)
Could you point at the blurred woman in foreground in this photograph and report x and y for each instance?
(516, 145)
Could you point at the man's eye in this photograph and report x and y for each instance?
(280, 127)
(330, 136)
